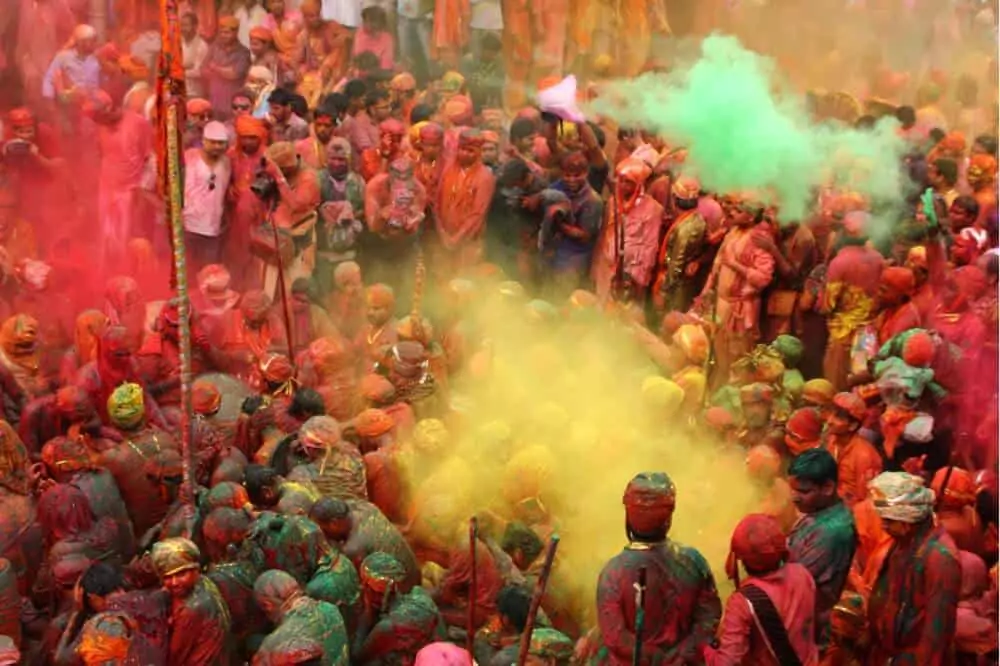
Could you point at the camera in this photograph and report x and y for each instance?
(264, 185)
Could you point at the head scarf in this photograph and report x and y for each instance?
(126, 406)
(18, 338)
(899, 280)
(443, 654)
(205, 397)
(901, 497)
(250, 126)
(373, 423)
(759, 542)
(90, 324)
(261, 33)
(106, 638)
(818, 392)
(174, 555)
(649, 501)
(381, 570)
(229, 22)
(66, 455)
(960, 491)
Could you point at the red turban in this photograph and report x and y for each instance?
(250, 126)
(261, 33)
(62, 454)
(953, 142)
(330, 354)
(900, 280)
(376, 389)
(21, 117)
(634, 170)
(806, 425)
(276, 368)
(759, 543)
(763, 462)
(373, 423)
(649, 502)
(851, 404)
(918, 350)
(197, 106)
(490, 137)
(960, 491)
(982, 168)
(205, 398)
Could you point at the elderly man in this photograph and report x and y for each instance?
(199, 617)
(207, 174)
(682, 608)
(304, 627)
(914, 600)
(225, 67)
(74, 72)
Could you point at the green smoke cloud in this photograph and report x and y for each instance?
(744, 131)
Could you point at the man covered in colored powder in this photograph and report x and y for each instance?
(913, 603)
(682, 607)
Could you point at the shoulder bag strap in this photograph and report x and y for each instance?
(770, 624)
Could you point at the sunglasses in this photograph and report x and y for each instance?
(211, 183)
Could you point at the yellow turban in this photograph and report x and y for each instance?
(662, 395)
(126, 406)
(174, 555)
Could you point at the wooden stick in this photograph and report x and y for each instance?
(536, 600)
(470, 622)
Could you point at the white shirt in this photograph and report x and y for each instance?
(344, 12)
(486, 15)
(248, 21)
(204, 193)
(195, 53)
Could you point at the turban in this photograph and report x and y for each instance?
(215, 131)
(917, 257)
(693, 342)
(174, 555)
(431, 133)
(261, 74)
(214, 281)
(452, 82)
(443, 654)
(901, 497)
(490, 137)
(430, 436)
(205, 397)
(403, 82)
(133, 67)
(718, 417)
(763, 462)
(900, 280)
(380, 296)
(759, 543)
(458, 110)
(633, 170)
(283, 154)
(470, 138)
(63, 454)
(381, 570)
(960, 491)
(649, 501)
(276, 368)
(225, 525)
(250, 126)
(320, 432)
(953, 142)
(790, 348)
(229, 22)
(982, 168)
(261, 33)
(413, 134)
(198, 106)
(330, 354)
(18, 335)
(918, 350)
(806, 425)
(756, 393)
(106, 638)
(851, 404)
(818, 392)
(392, 126)
(126, 406)
(376, 389)
(662, 395)
(687, 187)
(373, 423)
(21, 117)
(647, 154)
(96, 102)
(167, 465)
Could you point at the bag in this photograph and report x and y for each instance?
(769, 622)
(262, 244)
(782, 303)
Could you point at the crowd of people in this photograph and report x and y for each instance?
(372, 195)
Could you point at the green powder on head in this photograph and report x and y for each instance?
(744, 132)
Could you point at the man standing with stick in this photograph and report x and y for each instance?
(677, 610)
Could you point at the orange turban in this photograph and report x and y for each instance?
(380, 296)
(250, 126)
(373, 423)
(634, 170)
(900, 280)
(133, 67)
(198, 106)
(982, 168)
(376, 389)
(21, 117)
(459, 110)
(205, 397)
(960, 489)
(918, 350)
(276, 368)
(229, 22)
(953, 142)
(490, 137)
(261, 33)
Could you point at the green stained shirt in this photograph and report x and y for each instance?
(336, 582)
(309, 629)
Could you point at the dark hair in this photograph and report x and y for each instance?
(376, 96)
(988, 142)
(936, 134)
(865, 122)
(599, 134)
(306, 402)
(968, 204)
(329, 508)
(256, 479)
(814, 465)
(514, 603)
(376, 15)
(906, 116)
(948, 169)
(243, 93)
(366, 61)
(299, 105)
(190, 15)
(522, 128)
(101, 579)
(513, 172)
(280, 96)
(490, 42)
(355, 88)
(420, 113)
(518, 536)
